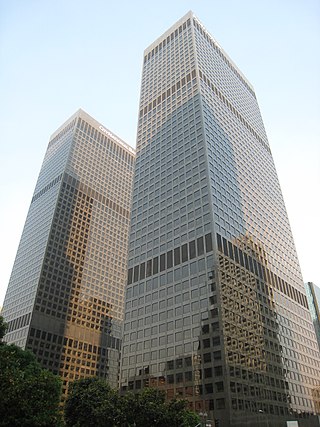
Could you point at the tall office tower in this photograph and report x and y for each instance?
(216, 310)
(66, 292)
(313, 297)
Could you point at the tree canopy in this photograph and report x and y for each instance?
(91, 402)
(149, 408)
(3, 328)
(30, 395)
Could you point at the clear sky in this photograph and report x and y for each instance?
(59, 55)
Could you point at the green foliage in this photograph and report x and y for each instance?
(146, 408)
(30, 395)
(3, 328)
(92, 403)
(180, 415)
(149, 409)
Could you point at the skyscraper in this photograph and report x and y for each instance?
(216, 310)
(66, 292)
(313, 296)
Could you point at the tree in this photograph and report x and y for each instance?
(30, 395)
(180, 415)
(146, 408)
(3, 328)
(149, 409)
(92, 403)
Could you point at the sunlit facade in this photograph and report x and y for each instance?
(313, 296)
(216, 310)
(66, 292)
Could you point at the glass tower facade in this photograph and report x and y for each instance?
(216, 310)
(66, 292)
(313, 296)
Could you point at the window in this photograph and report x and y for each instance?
(162, 262)
(192, 249)
(184, 252)
(208, 373)
(207, 357)
(200, 246)
(170, 379)
(136, 273)
(149, 268)
(219, 386)
(218, 371)
(217, 355)
(208, 240)
(130, 276)
(208, 388)
(177, 256)
(216, 341)
(155, 265)
(188, 376)
(142, 271)
(179, 377)
(206, 343)
(220, 403)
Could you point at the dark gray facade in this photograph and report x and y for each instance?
(66, 292)
(216, 310)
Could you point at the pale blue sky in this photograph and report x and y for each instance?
(57, 56)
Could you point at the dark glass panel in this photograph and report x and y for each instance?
(200, 246)
(177, 256)
(130, 273)
(192, 249)
(155, 268)
(208, 239)
(142, 270)
(162, 262)
(149, 268)
(169, 259)
(184, 251)
(136, 273)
